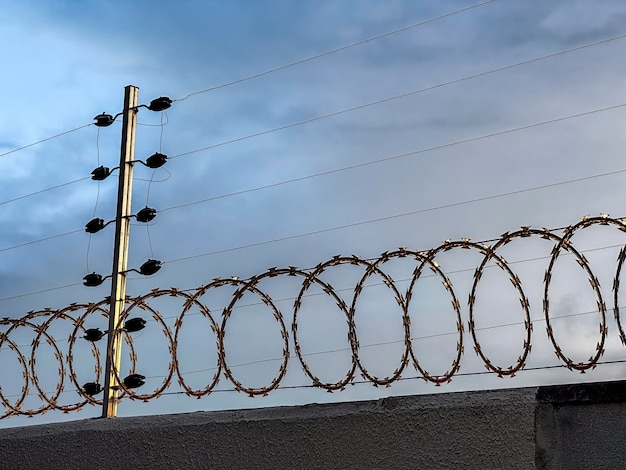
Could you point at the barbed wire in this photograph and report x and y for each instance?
(40, 324)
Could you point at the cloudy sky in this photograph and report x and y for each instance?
(480, 121)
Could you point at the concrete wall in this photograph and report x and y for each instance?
(579, 426)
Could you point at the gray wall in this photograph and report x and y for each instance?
(580, 426)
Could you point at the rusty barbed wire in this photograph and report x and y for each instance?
(41, 326)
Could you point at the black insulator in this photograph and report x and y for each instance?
(92, 388)
(156, 160)
(94, 225)
(160, 104)
(103, 120)
(150, 267)
(94, 334)
(134, 381)
(100, 173)
(134, 324)
(146, 214)
(93, 280)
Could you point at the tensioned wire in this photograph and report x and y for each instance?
(325, 116)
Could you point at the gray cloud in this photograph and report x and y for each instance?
(72, 62)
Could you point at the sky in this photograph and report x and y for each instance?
(287, 148)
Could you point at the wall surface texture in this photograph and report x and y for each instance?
(578, 426)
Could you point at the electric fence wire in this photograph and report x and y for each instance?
(424, 276)
(347, 168)
(45, 140)
(164, 121)
(364, 382)
(371, 345)
(408, 154)
(404, 379)
(358, 382)
(95, 207)
(32, 242)
(396, 97)
(241, 247)
(67, 183)
(368, 286)
(563, 241)
(317, 118)
(19, 198)
(485, 198)
(382, 343)
(366, 346)
(42, 291)
(390, 217)
(333, 51)
(429, 209)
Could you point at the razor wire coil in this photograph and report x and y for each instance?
(41, 324)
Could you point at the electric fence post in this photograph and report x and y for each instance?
(117, 300)
(120, 254)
